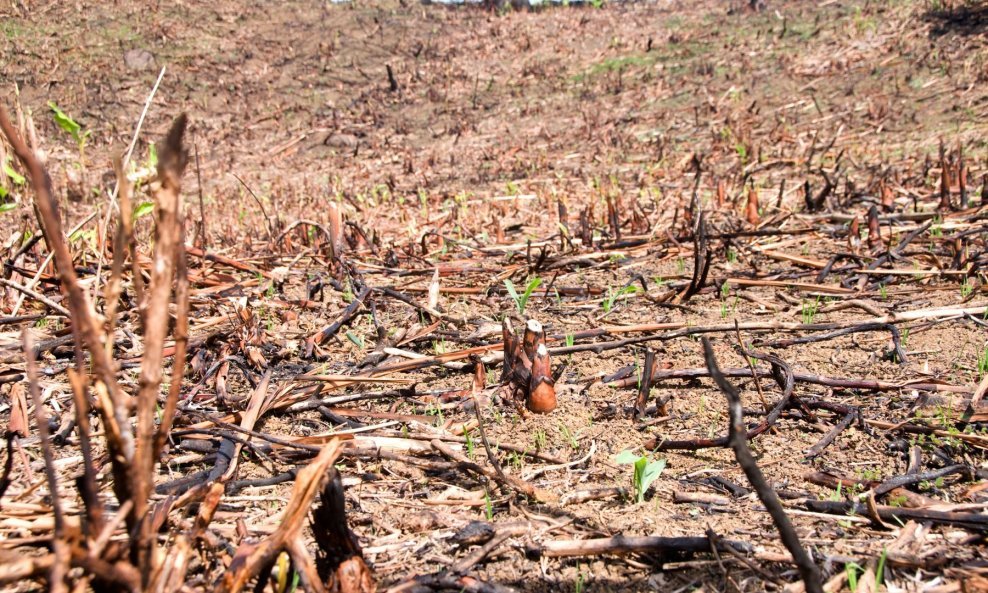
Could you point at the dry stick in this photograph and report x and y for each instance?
(828, 438)
(123, 180)
(88, 489)
(900, 353)
(966, 520)
(171, 164)
(751, 365)
(229, 451)
(345, 317)
(487, 445)
(840, 383)
(113, 288)
(267, 220)
(60, 568)
(621, 544)
(646, 385)
(807, 569)
(36, 296)
(181, 338)
(899, 481)
(463, 565)
(119, 442)
(203, 241)
(251, 559)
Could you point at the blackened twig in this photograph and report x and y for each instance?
(807, 569)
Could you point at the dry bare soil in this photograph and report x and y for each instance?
(573, 145)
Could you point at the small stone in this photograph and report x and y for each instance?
(341, 141)
(138, 59)
(475, 533)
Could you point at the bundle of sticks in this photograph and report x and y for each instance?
(526, 376)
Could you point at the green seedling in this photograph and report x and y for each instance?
(15, 178)
(853, 569)
(883, 292)
(471, 444)
(541, 440)
(966, 289)
(645, 473)
(71, 127)
(357, 340)
(983, 363)
(521, 301)
(488, 506)
(570, 340)
(613, 296)
(809, 310)
(725, 290)
(880, 569)
(569, 436)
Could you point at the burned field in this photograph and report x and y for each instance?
(388, 296)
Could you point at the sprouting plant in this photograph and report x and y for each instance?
(436, 410)
(522, 300)
(936, 230)
(904, 336)
(569, 436)
(680, 266)
(897, 501)
(540, 440)
(852, 569)
(809, 310)
(15, 178)
(983, 363)
(725, 290)
(723, 310)
(439, 346)
(578, 585)
(488, 505)
(645, 472)
(570, 340)
(838, 494)
(883, 292)
(72, 127)
(966, 289)
(358, 341)
(471, 444)
(613, 296)
(880, 569)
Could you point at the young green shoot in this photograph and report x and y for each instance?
(569, 436)
(809, 310)
(521, 301)
(71, 127)
(613, 296)
(645, 471)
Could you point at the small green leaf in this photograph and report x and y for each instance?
(143, 209)
(626, 456)
(511, 289)
(65, 122)
(7, 207)
(16, 177)
(152, 156)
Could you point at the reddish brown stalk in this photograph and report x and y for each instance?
(874, 230)
(119, 442)
(60, 547)
(541, 393)
(751, 211)
(172, 161)
(251, 559)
